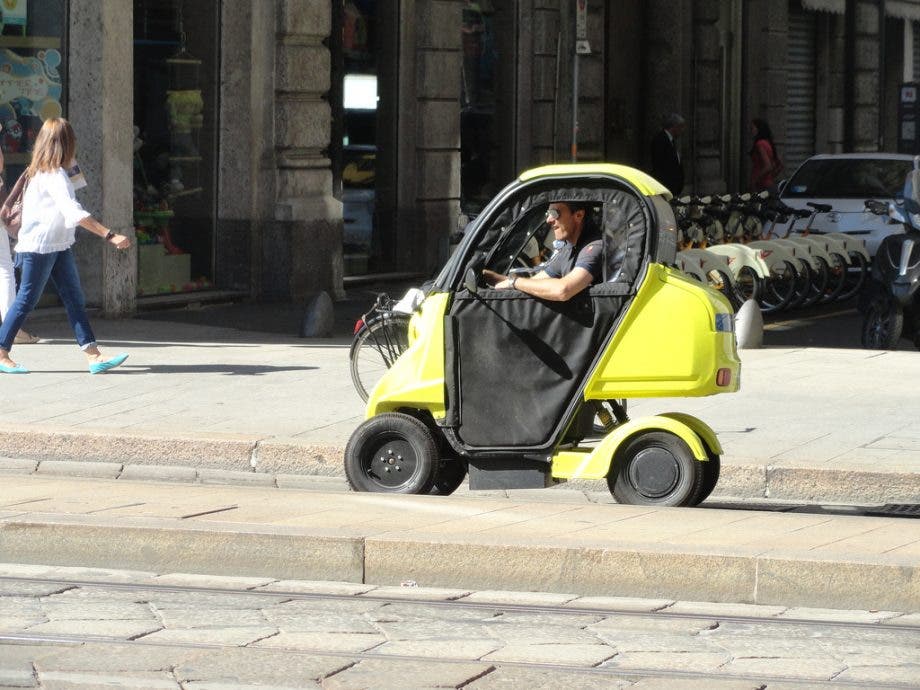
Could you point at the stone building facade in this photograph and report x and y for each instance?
(467, 94)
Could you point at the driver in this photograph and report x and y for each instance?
(576, 266)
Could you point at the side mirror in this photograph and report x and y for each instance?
(470, 282)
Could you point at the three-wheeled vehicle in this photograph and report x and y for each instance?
(506, 386)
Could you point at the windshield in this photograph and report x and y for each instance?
(848, 178)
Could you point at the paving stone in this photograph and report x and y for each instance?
(18, 677)
(695, 662)
(664, 624)
(57, 610)
(541, 619)
(260, 667)
(212, 581)
(415, 612)
(638, 641)
(18, 465)
(117, 657)
(78, 573)
(705, 684)
(159, 473)
(513, 634)
(122, 629)
(305, 608)
(56, 680)
(317, 587)
(784, 667)
(341, 642)
(519, 598)
(434, 630)
(293, 620)
(238, 637)
(711, 608)
(207, 600)
(210, 476)
(21, 606)
(511, 678)
(12, 624)
(619, 603)
(457, 648)
(30, 589)
(405, 675)
(419, 593)
(586, 655)
(74, 468)
(211, 618)
(906, 674)
(836, 615)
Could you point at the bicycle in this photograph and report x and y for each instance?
(380, 337)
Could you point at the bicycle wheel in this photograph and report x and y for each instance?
(748, 284)
(376, 346)
(802, 284)
(818, 283)
(856, 274)
(780, 288)
(836, 279)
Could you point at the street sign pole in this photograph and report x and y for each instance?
(582, 47)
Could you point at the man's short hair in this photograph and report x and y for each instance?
(672, 120)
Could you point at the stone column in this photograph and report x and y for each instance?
(303, 245)
(866, 78)
(100, 107)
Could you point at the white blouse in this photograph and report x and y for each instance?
(50, 214)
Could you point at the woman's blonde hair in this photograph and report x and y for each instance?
(55, 146)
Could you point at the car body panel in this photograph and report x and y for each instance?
(849, 216)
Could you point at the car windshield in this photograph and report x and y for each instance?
(848, 178)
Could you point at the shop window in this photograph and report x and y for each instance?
(175, 134)
(478, 139)
(32, 70)
(359, 140)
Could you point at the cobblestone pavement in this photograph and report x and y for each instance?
(142, 630)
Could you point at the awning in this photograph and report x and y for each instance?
(902, 9)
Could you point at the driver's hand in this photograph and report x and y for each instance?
(492, 278)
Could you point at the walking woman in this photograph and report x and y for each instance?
(8, 279)
(765, 163)
(50, 214)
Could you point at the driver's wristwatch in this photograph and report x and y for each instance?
(511, 281)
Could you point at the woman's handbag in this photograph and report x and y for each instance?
(11, 211)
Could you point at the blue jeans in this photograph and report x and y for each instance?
(61, 268)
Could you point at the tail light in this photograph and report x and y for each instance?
(359, 324)
(723, 377)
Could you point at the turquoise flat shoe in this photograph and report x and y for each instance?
(100, 367)
(18, 369)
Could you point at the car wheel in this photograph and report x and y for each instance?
(392, 453)
(655, 468)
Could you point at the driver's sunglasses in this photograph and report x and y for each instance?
(552, 214)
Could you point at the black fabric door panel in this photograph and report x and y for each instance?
(519, 361)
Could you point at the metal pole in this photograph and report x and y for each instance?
(575, 110)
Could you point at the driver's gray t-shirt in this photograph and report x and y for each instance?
(587, 254)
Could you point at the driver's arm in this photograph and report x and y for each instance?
(553, 289)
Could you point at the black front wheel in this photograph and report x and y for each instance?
(883, 325)
(392, 453)
(655, 468)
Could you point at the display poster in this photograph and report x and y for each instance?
(30, 93)
(14, 13)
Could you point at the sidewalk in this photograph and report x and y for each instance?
(809, 559)
(810, 424)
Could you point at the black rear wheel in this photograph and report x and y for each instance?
(836, 278)
(819, 280)
(377, 345)
(655, 468)
(392, 453)
(883, 325)
(779, 288)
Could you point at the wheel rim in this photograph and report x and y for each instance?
(654, 472)
(391, 462)
(747, 283)
(878, 328)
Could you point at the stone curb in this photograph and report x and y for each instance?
(238, 459)
(450, 562)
